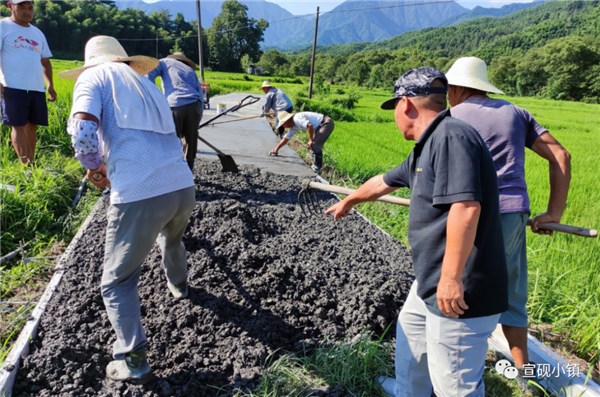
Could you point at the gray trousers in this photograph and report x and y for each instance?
(321, 135)
(187, 118)
(439, 353)
(130, 234)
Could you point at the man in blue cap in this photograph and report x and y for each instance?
(456, 240)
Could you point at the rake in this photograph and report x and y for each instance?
(310, 204)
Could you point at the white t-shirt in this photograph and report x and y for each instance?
(21, 52)
(301, 120)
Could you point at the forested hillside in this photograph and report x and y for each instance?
(551, 50)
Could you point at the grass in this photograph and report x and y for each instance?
(300, 375)
(36, 213)
(564, 281)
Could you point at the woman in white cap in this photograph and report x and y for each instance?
(317, 126)
(122, 131)
(507, 131)
(277, 101)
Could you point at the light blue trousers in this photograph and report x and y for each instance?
(130, 234)
(438, 353)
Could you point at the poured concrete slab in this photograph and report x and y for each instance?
(247, 137)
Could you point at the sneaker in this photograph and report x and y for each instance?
(133, 368)
(316, 169)
(178, 291)
(387, 384)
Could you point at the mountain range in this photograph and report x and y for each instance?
(351, 21)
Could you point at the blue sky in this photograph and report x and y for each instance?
(301, 7)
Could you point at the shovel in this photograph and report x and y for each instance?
(226, 160)
(306, 198)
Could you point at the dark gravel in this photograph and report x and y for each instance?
(264, 278)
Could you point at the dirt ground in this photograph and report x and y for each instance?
(265, 279)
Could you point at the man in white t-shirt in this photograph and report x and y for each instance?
(318, 127)
(24, 65)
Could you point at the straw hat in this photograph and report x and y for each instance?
(180, 56)
(102, 49)
(283, 117)
(471, 72)
(265, 84)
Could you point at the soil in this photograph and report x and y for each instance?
(265, 279)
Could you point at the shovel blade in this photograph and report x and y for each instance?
(228, 163)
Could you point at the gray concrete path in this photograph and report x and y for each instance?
(248, 140)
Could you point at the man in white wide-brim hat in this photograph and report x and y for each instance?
(181, 86)
(122, 131)
(276, 101)
(508, 130)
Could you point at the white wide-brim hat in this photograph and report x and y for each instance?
(101, 49)
(266, 84)
(471, 72)
(283, 117)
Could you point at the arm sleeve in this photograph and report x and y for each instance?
(399, 176)
(534, 129)
(84, 139)
(46, 53)
(457, 166)
(269, 103)
(154, 73)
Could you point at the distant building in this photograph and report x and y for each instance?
(255, 70)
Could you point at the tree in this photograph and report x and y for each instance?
(232, 35)
(568, 62)
(273, 62)
(503, 73)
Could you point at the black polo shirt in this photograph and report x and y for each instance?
(451, 163)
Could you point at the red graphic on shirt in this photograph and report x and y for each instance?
(24, 42)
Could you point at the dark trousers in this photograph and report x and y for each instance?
(187, 118)
(321, 135)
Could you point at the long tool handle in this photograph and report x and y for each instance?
(344, 190)
(209, 145)
(556, 227)
(559, 227)
(247, 100)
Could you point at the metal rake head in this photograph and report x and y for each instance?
(308, 200)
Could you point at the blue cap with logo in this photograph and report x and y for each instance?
(416, 82)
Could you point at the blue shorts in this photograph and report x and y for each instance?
(515, 248)
(20, 107)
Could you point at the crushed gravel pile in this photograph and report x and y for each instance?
(264, 279)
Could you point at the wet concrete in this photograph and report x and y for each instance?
(265, 279)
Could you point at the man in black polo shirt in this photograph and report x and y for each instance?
(454, 231)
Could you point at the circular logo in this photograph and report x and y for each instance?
(502, 365)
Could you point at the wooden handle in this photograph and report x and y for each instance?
(344, 190)
(559, 227)
(556, 227)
